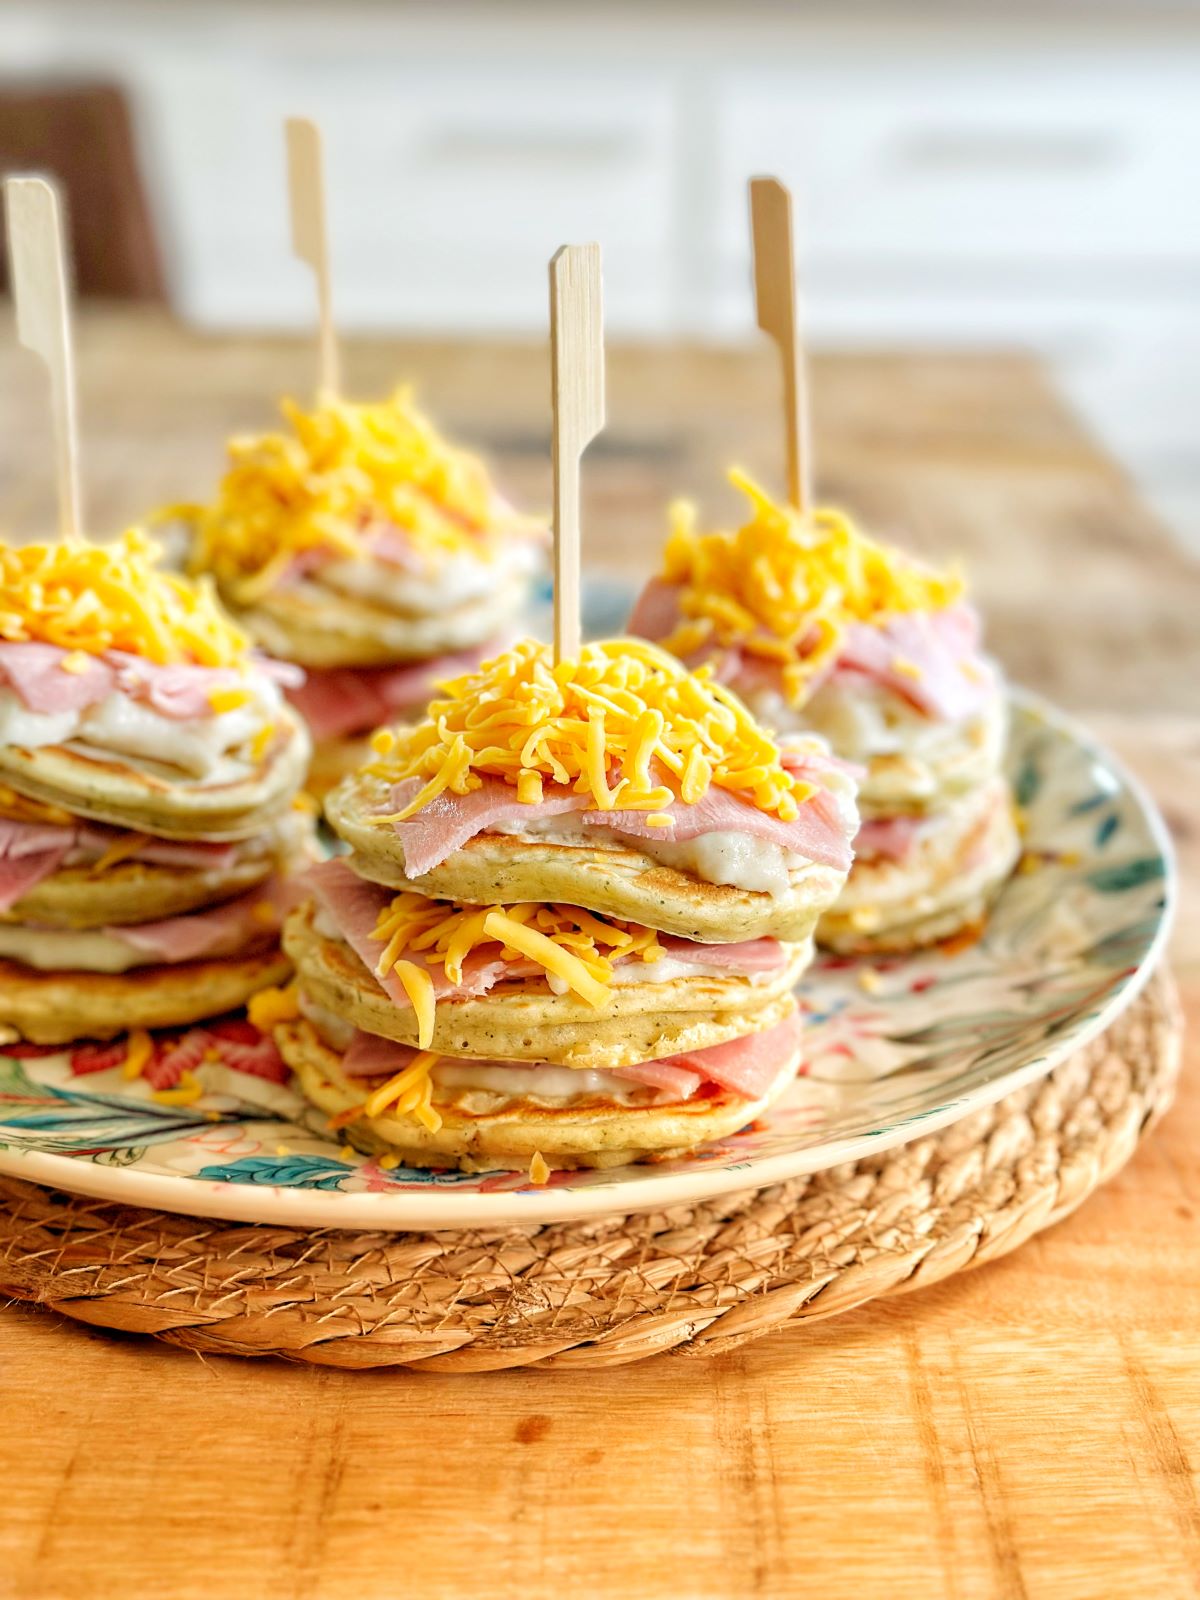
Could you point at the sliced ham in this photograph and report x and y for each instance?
(450, 820)
(816, 833)
(750, 955)
(35, 673)
(369, 1056)
(746, 1066)
(950, 681)
(199, 935)
(673, 1080)
(342, 701)
(354, 906)
(29, 853)
(888, 838)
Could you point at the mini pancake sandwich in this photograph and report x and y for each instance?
(821, 629)
(364, 548)
(578, 900)
(148, 771)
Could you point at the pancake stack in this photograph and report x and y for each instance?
(577, 901)
(148, 768)
(821, 629)
(364, 548)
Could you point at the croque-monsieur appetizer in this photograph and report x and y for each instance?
(578, 901)
(148, 766)
(364, 548)
(819, 628)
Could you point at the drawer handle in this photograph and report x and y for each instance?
(999, 149)
(547, 147)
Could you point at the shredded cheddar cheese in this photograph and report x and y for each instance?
(327, 488)
(90, 598)
(138, 1055)
(625, 723)
(576, 949)
(20, 808)
(269, 1007)
(186, 1092)
(785, 587)
(539, 1169)
(410, 1092)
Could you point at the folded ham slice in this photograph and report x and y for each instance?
(338, 702)
(941, 671)
(223, 930)
(32, 852)
(450, 820)
(746, 1067)
(35, 673)
(354, 905)
(888, 838)
(29, 852)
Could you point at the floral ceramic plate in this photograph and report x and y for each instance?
(896, 1048)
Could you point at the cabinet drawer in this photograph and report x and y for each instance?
(441, 182)
(1008, 157)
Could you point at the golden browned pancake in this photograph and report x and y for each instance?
(59, 1007)
(527, 1022)
(141, 891)
(163, 800)
(615, 880)
(941, 889)
(333, 760)
(320, 628)
(484, 1130)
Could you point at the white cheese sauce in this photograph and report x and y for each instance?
(456, 581)
(212, 748)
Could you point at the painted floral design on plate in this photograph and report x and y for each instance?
(895, 1047)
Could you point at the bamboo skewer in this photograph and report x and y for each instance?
(310, 235)
(775, 302)
(577, 399)
(37, 271)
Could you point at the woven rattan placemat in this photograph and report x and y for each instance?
(703, 1277)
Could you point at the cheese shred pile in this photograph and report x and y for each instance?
(625, 724)
(90, 598)
(327, 489)
(785, 587)
(574, 948)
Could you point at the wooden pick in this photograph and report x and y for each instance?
(37, 271)
(577, 398)
(310, 233)
(775, 301)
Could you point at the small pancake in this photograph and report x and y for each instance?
(318, 627)
(621, 882)
(163, 801)
(60, 1007)
(641, 1022)
(944, 888)
(479, 1133)
(139, 891)
(926, 780)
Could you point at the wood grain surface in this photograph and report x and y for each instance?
(1030, 1430)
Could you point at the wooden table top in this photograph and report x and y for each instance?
(1031, 1429)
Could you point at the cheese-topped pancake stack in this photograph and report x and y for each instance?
(148, 767)
(578, 899)
(819, 628)
(360, 545)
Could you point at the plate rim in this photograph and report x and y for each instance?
(438, 1210)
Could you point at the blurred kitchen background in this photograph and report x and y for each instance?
(968, 175)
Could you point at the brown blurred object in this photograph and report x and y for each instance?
(82, 136)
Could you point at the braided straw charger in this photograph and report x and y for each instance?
(703, 1277)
